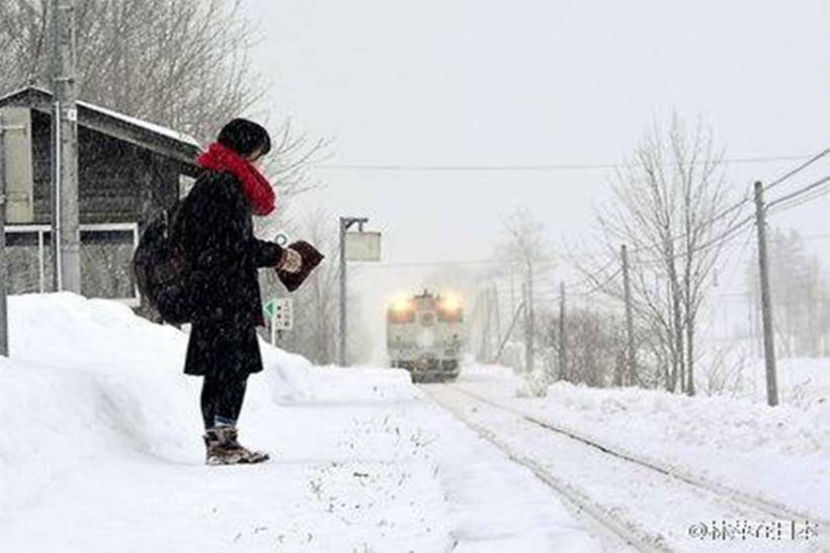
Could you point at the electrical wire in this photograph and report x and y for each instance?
(747, 198)
(798, 169)
(590, 278)
(528, 168)
(798, 192)
(800, 201)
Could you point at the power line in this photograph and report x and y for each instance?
(739, 263)
(798, 192)
(590, 278)
(746, 199)
(526, 168)
(733, 230)
(602, 284)
(789, 174)
(801, 201)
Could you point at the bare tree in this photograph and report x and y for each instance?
(668, 207)
(184, 64)
(315, 333)
(596, 346)
(523, 245)
(800, 295)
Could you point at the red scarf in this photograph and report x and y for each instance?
(257, 189)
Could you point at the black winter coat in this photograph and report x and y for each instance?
(217, 235)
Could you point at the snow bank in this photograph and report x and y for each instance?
(88, 378)
(735, 424)
(79, 332)
(780, 453)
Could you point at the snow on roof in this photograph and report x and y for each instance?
(152, 127)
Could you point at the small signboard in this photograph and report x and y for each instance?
(17, 149)
(280, 311)
(362, 246)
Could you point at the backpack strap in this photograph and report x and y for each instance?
(166, 225)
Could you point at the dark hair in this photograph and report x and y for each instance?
(244, 137)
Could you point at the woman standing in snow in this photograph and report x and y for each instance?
(218, 239)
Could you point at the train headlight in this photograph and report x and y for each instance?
(451, 302)
(401, 311)
(402, 305)
(450, 309)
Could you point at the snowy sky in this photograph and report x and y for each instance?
(472, 82)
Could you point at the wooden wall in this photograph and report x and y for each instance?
(119, 182)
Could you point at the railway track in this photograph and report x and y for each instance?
(610, 519)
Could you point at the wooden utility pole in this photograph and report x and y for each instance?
(512, 290)
(519, 309)
(563, 336)
(66, 237)
(497, 313)
(483, 312)
(527, 327)
(629, 320)
(531, 323)
(766, 301)
(488, 324)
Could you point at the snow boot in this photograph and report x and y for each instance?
(224, 449)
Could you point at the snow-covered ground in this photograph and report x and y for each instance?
(102, 452)
(780, 453)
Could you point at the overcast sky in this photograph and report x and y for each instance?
(535, 82)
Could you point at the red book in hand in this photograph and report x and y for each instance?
(311, 258)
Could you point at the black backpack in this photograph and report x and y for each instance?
(161, 268)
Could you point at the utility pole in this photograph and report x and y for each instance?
(563, 337)
(531, 323)
(66, 236)
(345, 224)
(766, 301)
(513, 320)
(629, 320)
(481, 325)
(497, 313)
(527, 295)
(526, 315)
(487, 308)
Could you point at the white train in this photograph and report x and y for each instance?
(424, 335)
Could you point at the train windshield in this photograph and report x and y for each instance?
(450, 315)
(400, 316)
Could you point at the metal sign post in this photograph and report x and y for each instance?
(354, 246)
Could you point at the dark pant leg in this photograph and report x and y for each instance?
(209, 399)
(222, 397)
(230, 403)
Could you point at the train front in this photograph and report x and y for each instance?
(424, 335)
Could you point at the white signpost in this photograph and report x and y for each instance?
(280, 312)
